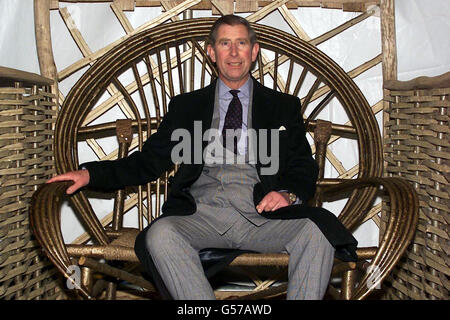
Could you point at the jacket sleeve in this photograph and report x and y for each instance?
(139, 167)
(300, 171)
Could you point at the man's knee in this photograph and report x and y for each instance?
(160, 234)
(315, 236)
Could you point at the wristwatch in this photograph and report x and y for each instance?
(292, 197)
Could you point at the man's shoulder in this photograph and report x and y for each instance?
(194, 99)
(278, 102)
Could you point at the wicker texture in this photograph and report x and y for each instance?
(417, 149)
(26, 116)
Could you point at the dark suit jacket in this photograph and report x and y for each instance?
(271, 110)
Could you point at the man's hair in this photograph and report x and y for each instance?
(231, 20)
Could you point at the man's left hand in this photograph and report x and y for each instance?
(272, 201)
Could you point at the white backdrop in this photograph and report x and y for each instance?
(422, 27)
(423, 49)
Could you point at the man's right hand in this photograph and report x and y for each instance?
(79, 177)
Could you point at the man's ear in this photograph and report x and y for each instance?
(255, 51)
(211, 52)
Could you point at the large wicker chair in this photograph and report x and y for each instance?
(158, 50)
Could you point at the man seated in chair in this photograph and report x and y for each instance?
(247, 205)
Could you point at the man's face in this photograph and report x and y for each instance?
(233, 54)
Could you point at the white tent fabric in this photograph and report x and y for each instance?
(422, 34)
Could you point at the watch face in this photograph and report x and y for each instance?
(292, 197)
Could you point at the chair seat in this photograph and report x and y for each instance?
(127, 238)
(122, 248)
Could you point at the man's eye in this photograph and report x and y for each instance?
(242, 44)
(225, 43)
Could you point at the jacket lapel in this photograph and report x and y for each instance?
(203, 111)
(208, 106)
(261, 118)
(261, 107)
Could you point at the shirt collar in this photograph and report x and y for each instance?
(244, 90)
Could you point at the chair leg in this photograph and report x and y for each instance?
(348, 284)
(111, 291)
(86, 278)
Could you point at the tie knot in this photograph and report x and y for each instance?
(234, 93)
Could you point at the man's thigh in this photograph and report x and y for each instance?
(190, 229)
(276, 235)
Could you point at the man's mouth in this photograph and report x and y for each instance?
(234, 64)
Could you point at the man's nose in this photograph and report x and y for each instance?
(233, 49)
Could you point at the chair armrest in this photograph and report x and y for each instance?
(45, 222)
(401, 226)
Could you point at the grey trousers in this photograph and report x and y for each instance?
(174, 242)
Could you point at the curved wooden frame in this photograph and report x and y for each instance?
(88, 89)
(45, 212)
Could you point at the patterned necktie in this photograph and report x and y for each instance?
(233, 118)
